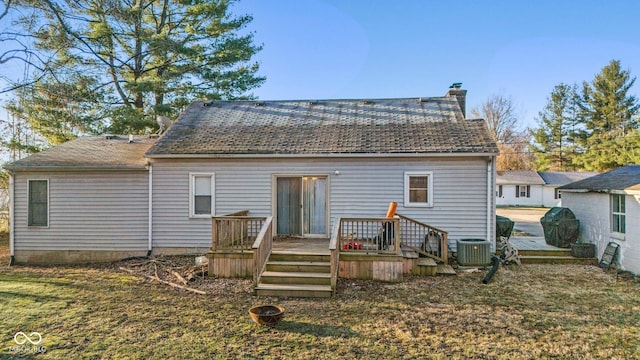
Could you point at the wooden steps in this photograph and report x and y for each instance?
(423, 266)
(445, 269)
(426, 267)
(281, 290)
(555, 256)
(293, 274)
(541, 259)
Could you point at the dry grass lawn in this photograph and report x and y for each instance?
(531, 312)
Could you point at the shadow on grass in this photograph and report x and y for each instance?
(21, 295)
(316, 329)
(30, 279)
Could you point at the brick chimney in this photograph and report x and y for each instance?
(460, 95)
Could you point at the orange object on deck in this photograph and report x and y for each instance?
(392, 209)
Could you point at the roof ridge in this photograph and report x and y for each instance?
(327, 100)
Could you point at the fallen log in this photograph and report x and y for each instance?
(163, 281)
(179, 277)
(196, 270)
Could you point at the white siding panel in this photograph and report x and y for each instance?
(363, 188)
(593, 211)
(87, 211)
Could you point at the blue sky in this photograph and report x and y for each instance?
(326, 49)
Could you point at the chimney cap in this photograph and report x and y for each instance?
(456, 86)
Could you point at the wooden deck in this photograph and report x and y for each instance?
(301, 245)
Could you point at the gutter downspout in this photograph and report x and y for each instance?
(490, 208)
(11, 220)
(150, 235)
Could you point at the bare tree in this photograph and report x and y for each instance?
(502, 119)
(500, 113)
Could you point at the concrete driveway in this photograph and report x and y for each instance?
(526, 219)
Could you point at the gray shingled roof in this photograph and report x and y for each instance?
(95, 152)
(325, 127)
(623, 178)
(518, 177)
(563, 178)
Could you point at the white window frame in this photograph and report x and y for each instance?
(48, 204)
(192, 189)
(617, 213)
(407, 176)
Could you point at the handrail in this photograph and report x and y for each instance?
(335, 253)
(420, 223)
(416, 239)
(262, 233)
(239, 213)
(370, 235)
(262, 247)
(235, 232)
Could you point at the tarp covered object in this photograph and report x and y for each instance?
(560, 227)
(504, 226)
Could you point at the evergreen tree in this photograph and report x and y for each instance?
(607, 117)
(113, 65)
(553, 144)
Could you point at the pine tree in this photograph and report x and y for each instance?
(116, 64)
(553, 144)
(607, 117)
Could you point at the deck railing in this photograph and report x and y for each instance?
(369, 235)
(262, 249)
(235, 232)
(425, 239)
(334, 250)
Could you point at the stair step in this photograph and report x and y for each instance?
(295, 256)
(308, 278)
(556, 260)
(297, 290)
(445, 269)
(426, 267)
(409, 254)
(427, 262)
(299, 266)
(562, 252)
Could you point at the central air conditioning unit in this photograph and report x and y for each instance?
(473, 252)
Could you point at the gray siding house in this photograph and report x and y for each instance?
(83, 201)
(306, 163)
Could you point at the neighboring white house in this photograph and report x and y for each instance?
(553, 180)
(306, 163)
(608, 207)
(531, 188)
(519, 188)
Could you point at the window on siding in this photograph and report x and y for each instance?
(499, 191)
(618, 213)
(418, 189)
(202, 195)
(522, 191)
(38, 203)
(557, 194)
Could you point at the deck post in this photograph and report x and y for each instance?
(214, 233)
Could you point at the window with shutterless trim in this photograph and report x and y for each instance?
(201, 194)
(618, 213)
(418, 189)
(38, 207)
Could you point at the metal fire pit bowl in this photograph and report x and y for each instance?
(267, 315)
